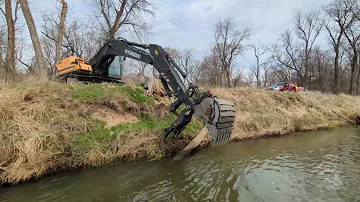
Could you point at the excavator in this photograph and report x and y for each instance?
(218, 115)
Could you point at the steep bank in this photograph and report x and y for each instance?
(52, 126)
(262, 113)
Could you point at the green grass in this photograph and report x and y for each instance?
(146, 123)
(88, 92)
(95, 91)
(137, 95)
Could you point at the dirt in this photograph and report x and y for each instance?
(112, 118)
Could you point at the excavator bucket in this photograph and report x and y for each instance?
(219, 116)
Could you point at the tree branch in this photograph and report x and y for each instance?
(104, 14)
(3, 12)
(28, 66)
(16, 10)
(117, 22)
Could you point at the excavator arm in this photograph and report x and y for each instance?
(218, 115)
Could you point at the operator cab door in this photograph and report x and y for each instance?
(116, 67)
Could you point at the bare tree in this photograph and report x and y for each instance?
(9, 64)
(61, 30)
(35, 39)
(3, 50)
(141, 67)
(187, 61)
(238, 79)
(352, 34)
(308, 27)
(340, 17)
(287, 54)
(2, 46)
(268, 76)
(195, 72)
(209, 71)
(266, 69)
(114, 14)
(82, 41)
(319, 60)
(353, 39)
(174, 53)
(228, 45)
(54, 29)
(259, 50)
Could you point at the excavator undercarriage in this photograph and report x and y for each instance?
(217, 114)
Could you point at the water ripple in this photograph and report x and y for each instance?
(319, 166)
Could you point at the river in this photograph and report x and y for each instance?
(313, 166)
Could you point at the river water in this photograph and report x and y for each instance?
(314, 166)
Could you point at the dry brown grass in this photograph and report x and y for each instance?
(48, 127)
(263, 113)
(34, 130)
(44, 129)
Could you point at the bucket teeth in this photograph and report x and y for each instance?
(220, 117)
(219, 136)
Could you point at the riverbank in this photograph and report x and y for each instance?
(49, 127)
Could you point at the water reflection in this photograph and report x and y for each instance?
(317, 166)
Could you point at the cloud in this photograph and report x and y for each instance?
(190, 23)
(195, 20)
(165, 26)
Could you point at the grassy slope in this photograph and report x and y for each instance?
(47, 127)
(263, 113)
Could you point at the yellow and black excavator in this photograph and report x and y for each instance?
(217, 114)
(76, 69)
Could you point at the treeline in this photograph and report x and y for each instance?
(320, 52)
(62, 34)
(299, 55)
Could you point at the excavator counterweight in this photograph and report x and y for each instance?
(72, 64)
(217, 114)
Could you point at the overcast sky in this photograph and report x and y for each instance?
(190, 23)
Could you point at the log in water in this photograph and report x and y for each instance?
(315, 166)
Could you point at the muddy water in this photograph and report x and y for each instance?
(315, 166)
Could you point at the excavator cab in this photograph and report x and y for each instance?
(116, 67)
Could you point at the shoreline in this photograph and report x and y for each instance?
(49, 128)
(205, 144)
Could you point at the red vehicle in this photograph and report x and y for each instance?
(285, 86)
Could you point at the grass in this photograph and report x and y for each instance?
(148, 123)
(263, 113)
(83, 92)
(46, 127)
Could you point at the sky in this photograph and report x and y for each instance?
(190, 23)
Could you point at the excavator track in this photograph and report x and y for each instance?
(220, 117)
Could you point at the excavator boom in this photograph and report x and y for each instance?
(217, 114)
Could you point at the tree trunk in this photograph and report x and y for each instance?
(321, 83)
(258, 84)
(61, 30)
(336, 70)
(10, 54)
(353, 68)
(300, 77)
(35, 39)
(358, 80)
(112, 33)
(228, 77)
(266, 78)
(320, 75)
(306, 66)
